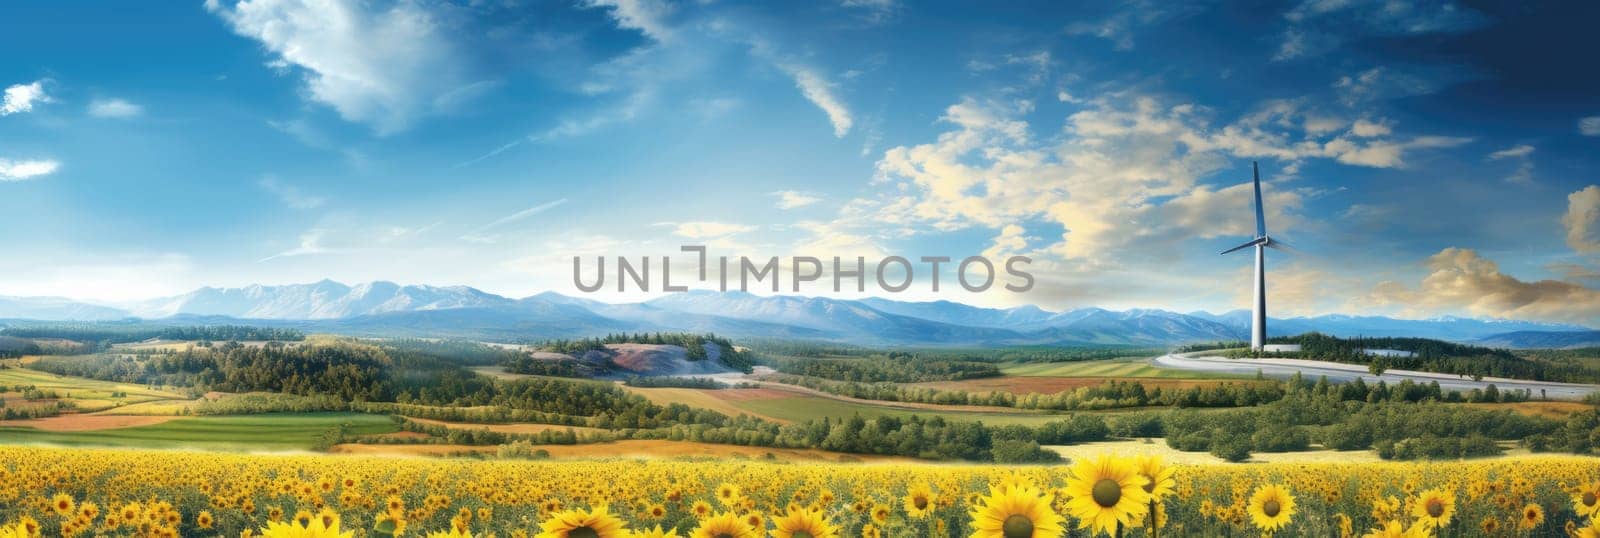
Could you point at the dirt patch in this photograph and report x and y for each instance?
(83, 423)
(1053, 385)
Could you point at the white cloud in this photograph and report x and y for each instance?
(20, 98)
(1522, 154)
(875, 11)
(820, 92)
(1462, 280)
(647, 16)
(1368, 129)
(24, 170)
(707, 229)
(382, 66)
(114, 108)
(1583, 220)
(1518, 151)
(1589, 126)
(291, 195)
(794, 199)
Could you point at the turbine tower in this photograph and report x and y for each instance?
(1258, 311)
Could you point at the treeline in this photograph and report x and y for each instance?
(463, 352)
(677, 382)
(1407, 421)
(806, 349)
(894, 368)
(351, 372)
(1109, 394)
(1430, 356)
(527, 365)
(117, 333)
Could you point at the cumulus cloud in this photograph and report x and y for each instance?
(1461, 280)
(20, 98)
(379, 65)
(26, 169)
(1125, 180)
(794, 199)
(1583, 220)
(114, 108)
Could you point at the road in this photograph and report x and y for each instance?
(1344, 373)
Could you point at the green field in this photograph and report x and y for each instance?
(88, 394)
(1132, 367)
(802, 408)
(245, 433)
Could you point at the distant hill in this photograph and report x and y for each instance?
(389, 309)
(1542, 339)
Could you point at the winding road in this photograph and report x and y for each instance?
(1344, 373)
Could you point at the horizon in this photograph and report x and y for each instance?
(613, 300)
(1428, 160)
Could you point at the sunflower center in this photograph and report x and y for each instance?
(1017, 526)
(800, 534)
(920, 502)
(723, 535)
(583, 532)
(1150, 485)
(1589, 498)
(1271, 508)
(1107, 492)
(1435, 508)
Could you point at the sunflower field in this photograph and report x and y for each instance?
(76, 492)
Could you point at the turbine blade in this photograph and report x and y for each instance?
(1253, 242)
(1282, 246)
(1261, 218)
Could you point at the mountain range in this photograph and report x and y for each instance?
(388, 309)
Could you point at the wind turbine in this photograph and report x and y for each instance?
(1258, 313)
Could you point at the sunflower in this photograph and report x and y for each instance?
(1434, 508)
(1532, 516)
(920, 500)
(15, 531)
(656, 533)
(802, 523)
(700, 509)
(1590, 531)
(1271, 507)
(203, 520)
(452, 533)
(1160, 476)
(62, 504)
(315, 529)
(728, 494)
(1489, 525)
(1016, 512)
(596, 523)
(1106, 492)
(1394, 529)
(1586, 502)
(725, 525)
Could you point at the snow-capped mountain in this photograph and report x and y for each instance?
(386, 308)
(320, 300)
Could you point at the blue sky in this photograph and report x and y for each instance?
(1429, 158)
